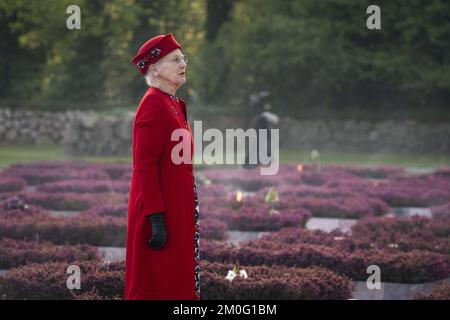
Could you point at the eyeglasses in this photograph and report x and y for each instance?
(178, 59)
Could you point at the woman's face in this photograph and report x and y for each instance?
(172, 68)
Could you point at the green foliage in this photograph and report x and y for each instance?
(317, 58)
(46, 62)
(315, 158)
(272, 196)
(320, 55)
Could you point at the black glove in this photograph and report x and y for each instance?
(159, 233)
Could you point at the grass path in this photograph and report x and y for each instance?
(10, 154)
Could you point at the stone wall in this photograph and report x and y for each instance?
(90, 134)
(32, 127)
(87, 133)
(385, 136)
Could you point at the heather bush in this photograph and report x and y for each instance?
(210, 209)
(93, 294)
(106, 281)
(112, 210)
(411, 250)
(414, 191)
(11, 184)
(126, 176)
(10, 208)
(410, 267)
(262, 252)
(353, 207)
(35, 175)
(213, 229)
(407, 267)
(404, 233)
(49, 281)
(294, 235)
(264, 218)
(252, 214)
(350, 207)
(85, 186)
(97, 231)
(56, 164)
(440, 227)
(117, 170)
(442, 211)
(59, 201)
(378, 172)
(71, 201)
(280, 283)
(309, 191)
(352, 186)
(213, 191)
(441, 292)
(321, 178)
(14, 253)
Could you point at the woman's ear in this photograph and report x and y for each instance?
(153, 70)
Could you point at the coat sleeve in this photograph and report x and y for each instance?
(151, 135)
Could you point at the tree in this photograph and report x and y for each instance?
(319, 54)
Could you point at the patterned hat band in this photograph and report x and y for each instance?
(151, 55)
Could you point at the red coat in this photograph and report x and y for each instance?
(158, 185)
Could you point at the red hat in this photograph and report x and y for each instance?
(153, 50)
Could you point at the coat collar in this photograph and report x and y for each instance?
(182, 104)
(163, 93)
(160, 92)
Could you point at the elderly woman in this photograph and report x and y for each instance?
(162, 249)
